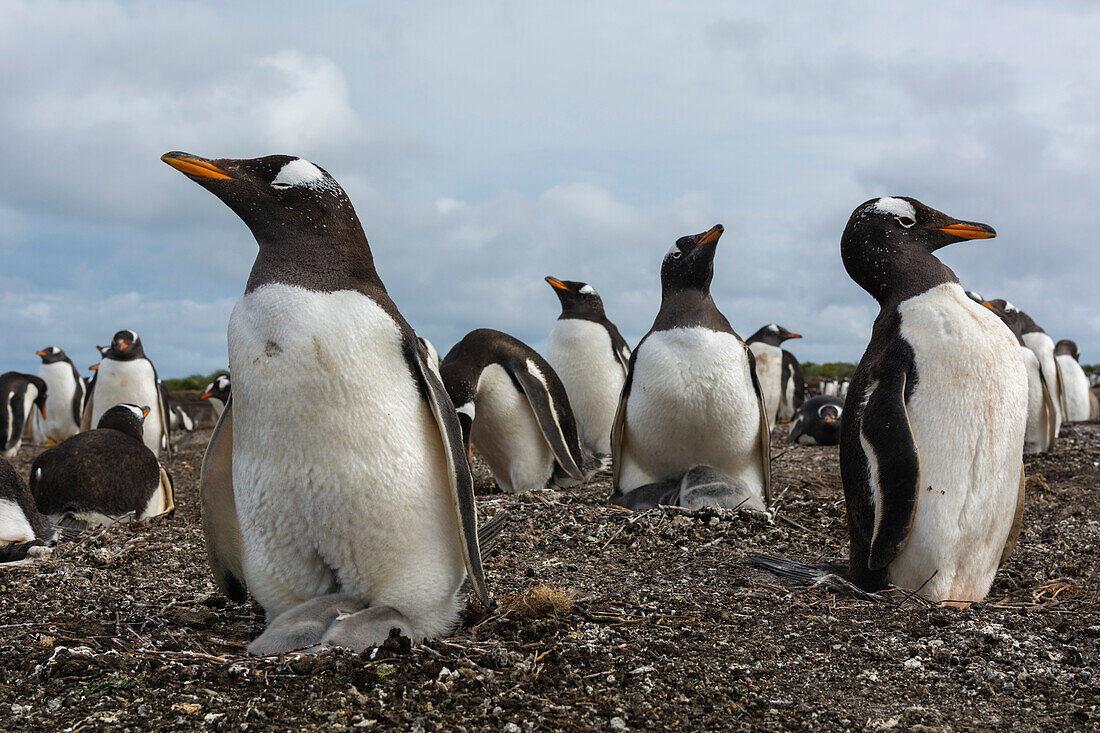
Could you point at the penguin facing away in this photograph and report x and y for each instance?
(1075, 383)
(764, 345)
(21, 395)
(65, 401)
(691, 396)
(1036, 339)
(103, 476)
(126, 376)
(931, 439)
(794, 386)
(817, 421)
(218, 393)
(591, 357)
(352, 513)
(21, 525)
(515, 412)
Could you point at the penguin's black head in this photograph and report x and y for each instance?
(689, 265)
(1068, 348)
(51, 354)
(125, 418)
(888, 243)
(218, 389)
(125, 345)
(40, 400)
(576, 297)
(830, 413)
(772, 334)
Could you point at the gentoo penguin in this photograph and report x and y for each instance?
(794, 386)
(691, 396)
(700, 487)
(1036, 339)
(21, 525)
(1039, 434)
(20, 394)
(178, 419)
(352, 512)
(930, 448)
(126, 376)
(1075, 384)
(830, 387)
(817, 421)
(842, 391)
(218, 393)
(65, 402)
(103, 476)
(764, 345)
(591, 356)
(514, 411)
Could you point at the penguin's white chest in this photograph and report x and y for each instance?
(14, 526)
(507, 435)
(132, 382)
(691, 403)
(1043, 346)
(1075, 388)
(967, 413)
(582, 354)
(60, 390)
(769, 372)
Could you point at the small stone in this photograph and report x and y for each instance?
(618, 723)
(512, 728)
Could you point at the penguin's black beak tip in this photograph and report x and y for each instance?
(195, 166)
(969, 230)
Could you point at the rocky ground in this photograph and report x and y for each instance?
(607, 620)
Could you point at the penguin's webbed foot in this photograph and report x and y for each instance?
(304, 625)
(367, 628)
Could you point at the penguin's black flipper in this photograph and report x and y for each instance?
(461, 479)
(220, 525)
(797, 429)
(488, 534)
(542, 404)
(790, 569)
(618, 428)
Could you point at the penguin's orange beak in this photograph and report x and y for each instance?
(123, 346)
(965, 230)
(194, 166)
(829, 420)
(94, 367)
(712, 236)
(556, 283)
(987, 304)
(40, 353)
(204, 395)
(43, 409)
(145, 412)
(794, 336)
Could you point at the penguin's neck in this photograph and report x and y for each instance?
(688, 308)
(899, 274)
(323, 263)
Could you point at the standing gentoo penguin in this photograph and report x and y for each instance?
(1036, 339)
(352, 512)
(21, 525)
(817, 421)
(591, 357)
(691, 396)
(930, 449)
(126, 376)
(794, 386)
(1075, 384)
(65, 402)
(178, 419)
(764, 345)
(20, 394)
(103, 476)
(514, 410)
(218, 393)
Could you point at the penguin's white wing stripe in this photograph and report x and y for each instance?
(542, 404)
(220, 525)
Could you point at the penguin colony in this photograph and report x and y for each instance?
(354, 513)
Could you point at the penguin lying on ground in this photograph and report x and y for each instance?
(514, 411)
(691, 396)
(21, 525)
(126, 376)
(590, 355)
(352, 512)
(102, 476)
(764, 345)
(1076, 397)
(700, 487)
(794, 386)
(817, 422)
(20, 396)
(218, 393)
(930, 454)
(65, 398)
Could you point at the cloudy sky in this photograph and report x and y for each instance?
(487, 145)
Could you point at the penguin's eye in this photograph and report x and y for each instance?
(906, 221)
(676, 254)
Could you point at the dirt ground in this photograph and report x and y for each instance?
(655, 622)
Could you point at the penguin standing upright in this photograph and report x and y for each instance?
(126, 376)
(1036, 339)
(20, 396)
(1075, 384)
(591, 357)
(21, 525)
(794, 386)
(178, 419)
(764, 345)
(514, 410)
(218, 393)
(691, 396)
(350, 513)
(931, 440)
(65, 402)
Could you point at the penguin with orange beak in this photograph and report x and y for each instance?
(765, 346)
(817, 421)
(65, 403)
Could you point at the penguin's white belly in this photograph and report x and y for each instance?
(1076, 387)
(506, 434)
(691, 403)
(581, 353)
(1035, 435)
(1043, 346)
(339, 471)
(967, 413)
(132, 382)
(14, 526)
(60, 390)
(786, 409)
(769, 372)
(217, 404)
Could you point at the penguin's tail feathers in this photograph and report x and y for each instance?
(488, 534)
(789, 569)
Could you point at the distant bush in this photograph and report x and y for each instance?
(1091, 368)
(195, 381)
(829, 370)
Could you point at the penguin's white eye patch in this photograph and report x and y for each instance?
(298, 172)
(896, 207)
(587, 290)
(136, 410)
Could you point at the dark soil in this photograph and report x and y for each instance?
(658, 624)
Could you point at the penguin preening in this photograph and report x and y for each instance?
(817, 421)
(65, 398)
(126, 376)
(591, 357)
(793, 386)
(691, 396)
(21, 525)
(103, 476)
(20, 396)
(218, 393)
(515, 412)
(353, 512)
(764, 345)
(1076, 396)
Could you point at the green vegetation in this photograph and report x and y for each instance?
(829, 370)
(1091, 368)
(195, 381)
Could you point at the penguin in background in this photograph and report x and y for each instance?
(21, 395)
(21, 525)
(817, 421)
(830, 387)
(89, 385)
(1076, 396)
(102, 476)
(1036, 339)
(65, 399)
(764, 345)
(218, 393)
(126, 376)
(691, 396)
(515, 412)
(178, 419)
(371, 469)
(794, 386)
(591, 357)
